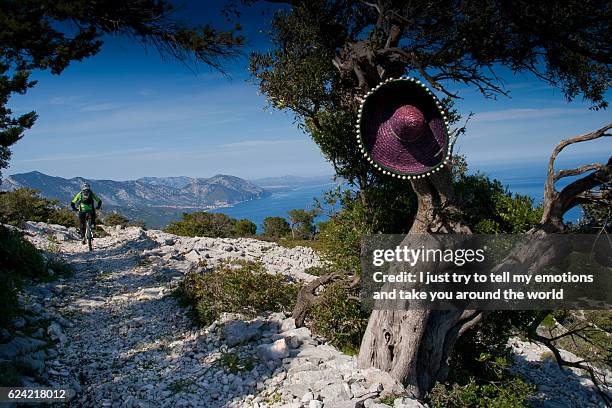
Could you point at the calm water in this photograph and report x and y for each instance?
(277, 204)
(527, 181)
(530, 182)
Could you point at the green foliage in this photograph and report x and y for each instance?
(339, 318)
(64, 216)
(499, 389)
(245, 228)
(516, 213)
(18, 260)
(510, 393)
(589, 336)
(59, 266)
(26, 204)
(100, 232)
(489, 339)
(302, 223)
(50, 35)
(114, 219)
(275, 227)
(232, 362)
(340, 236)
(138, 223)
(489, 208)
(239, 288)
(216, 225)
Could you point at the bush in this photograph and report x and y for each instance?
(302, 226)
(488, 339)
(64, 216)
(26, 204)
(138, 223)
(339, 318)
(489, 208)
(237, 288)
(100, 232)
(506, 391)
(340, 236)
(114, 219)
(59, 266)
(215, 225)
(275, 227)
(245, 228)
(19, 259)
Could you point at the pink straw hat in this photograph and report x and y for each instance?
(402, 129)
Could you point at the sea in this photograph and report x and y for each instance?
(526, 180)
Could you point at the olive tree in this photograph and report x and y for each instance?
(328, 54)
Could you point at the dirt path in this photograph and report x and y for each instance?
(124, 341)
(130, 343)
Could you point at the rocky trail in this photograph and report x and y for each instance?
(115, 334)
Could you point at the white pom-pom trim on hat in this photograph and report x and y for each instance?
(367, 156)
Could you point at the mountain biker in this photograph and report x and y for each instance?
(85, 201)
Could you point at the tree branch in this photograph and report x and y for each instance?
(556, 204)
(577, 171)
(549, 186)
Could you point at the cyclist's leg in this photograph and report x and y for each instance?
(93, 222)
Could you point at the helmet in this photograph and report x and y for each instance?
(85, 186)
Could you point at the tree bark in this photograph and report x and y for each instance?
(414, 345)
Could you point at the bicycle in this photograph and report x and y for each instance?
(88, 236)
(88, 231)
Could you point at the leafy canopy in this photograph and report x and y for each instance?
(326, 54)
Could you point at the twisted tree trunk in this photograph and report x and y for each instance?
(414, 345)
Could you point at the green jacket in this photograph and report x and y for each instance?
(86, 205)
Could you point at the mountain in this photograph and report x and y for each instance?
(149, 196)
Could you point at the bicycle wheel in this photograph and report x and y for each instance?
(89, 234)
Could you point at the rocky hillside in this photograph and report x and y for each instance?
(116, 335)
(172, 192)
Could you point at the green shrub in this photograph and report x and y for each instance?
(340, 236)
(489, 208)
(64, 216)
(476, 348)
(597, 215)
(19, 259)
(339, 318)
(26, 204)
(237, 288)
(59, 266)
(215, 225)
(505, 391)
(114, 219)
(245, 228)
(233, 363)
(100, 232)
(138, 223)
(275, 227)
(302, 223)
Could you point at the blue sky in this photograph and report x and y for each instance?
(126, 113)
